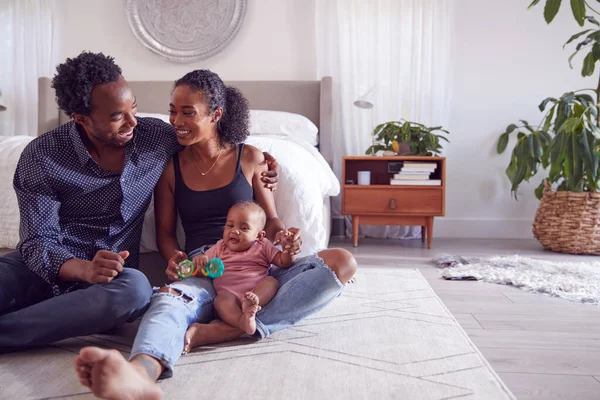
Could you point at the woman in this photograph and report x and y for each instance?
(214, 171)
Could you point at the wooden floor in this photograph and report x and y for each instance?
(542, 347)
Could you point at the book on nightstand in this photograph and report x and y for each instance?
(414, 182)
(412, 175)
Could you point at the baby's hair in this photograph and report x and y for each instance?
(255, 207)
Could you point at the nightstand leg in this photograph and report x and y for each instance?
(429, 231)
(423, 233)
(355, 230)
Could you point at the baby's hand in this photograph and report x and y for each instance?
(290, 240)
(200, 261)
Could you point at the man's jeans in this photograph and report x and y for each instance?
(306, 287)
(31, 316)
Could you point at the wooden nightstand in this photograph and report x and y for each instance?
(381, 203)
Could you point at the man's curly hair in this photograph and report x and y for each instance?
(77, 77)
(233, 127)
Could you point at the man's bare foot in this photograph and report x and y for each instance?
(249, 309)
(110, 376)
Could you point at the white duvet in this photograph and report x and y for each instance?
(305, 181)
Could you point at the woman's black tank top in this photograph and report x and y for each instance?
(204, 213)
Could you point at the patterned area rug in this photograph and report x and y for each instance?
(387, 337)
(575, 281)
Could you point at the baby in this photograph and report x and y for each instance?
(245, 285)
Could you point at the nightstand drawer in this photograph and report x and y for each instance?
(393, 201)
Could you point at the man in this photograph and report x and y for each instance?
(83, 190)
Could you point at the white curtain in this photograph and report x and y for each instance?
(26, 43)
(399, 47)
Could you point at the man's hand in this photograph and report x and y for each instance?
(173, 265)
(270, 178)
(200, 261)
(290, 240)
(105, 266)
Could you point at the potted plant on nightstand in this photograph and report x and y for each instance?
(407, 138)
(566, 144)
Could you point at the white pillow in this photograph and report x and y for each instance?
(164, 117)
(284, 124)
(271, 123)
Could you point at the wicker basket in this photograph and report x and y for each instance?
(568, 222)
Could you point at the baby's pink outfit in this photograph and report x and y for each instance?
(243, 269)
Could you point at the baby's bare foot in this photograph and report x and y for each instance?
(249, 309)
(110, 376)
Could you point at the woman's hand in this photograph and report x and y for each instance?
(290, 240)
(173, 265)
(270, 178)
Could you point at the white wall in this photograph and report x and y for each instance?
(505, 61)
(276, 41)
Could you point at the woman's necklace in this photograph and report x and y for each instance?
(212, 166)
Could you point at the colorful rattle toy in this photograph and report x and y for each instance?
(213, 269)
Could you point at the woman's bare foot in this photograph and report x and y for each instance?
(110, 376)
(193, 337)
(249, 309)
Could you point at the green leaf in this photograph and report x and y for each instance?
(578, 110)
(586, 97)
(542, 105)
(547, 137)
(537, 147)
(561, 115)
(594, 36)
(521, 166)
(578, 8)
(570, 125)
(576, 36)
(568, 162)
(576, 162)
(562, 187)
(551, 9)
(548, 121)
(557, 155)
(592, 20)
(526, 124)
(596, 52)
(521, 135)
(511, 171)
(539, 191)
(502, 143)
(586, 154)
(589, 63)
(533, 3)
(571, 58)
(511, 128)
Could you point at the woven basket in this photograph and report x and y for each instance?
(568, 222)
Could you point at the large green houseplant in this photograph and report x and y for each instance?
(566, 142)
(420, 140)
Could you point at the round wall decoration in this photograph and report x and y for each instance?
(185, 30)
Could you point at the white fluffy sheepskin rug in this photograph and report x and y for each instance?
(575, 281)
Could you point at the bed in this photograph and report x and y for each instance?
(309, 99)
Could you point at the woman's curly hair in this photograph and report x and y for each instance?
(77, 77)
(233, 127)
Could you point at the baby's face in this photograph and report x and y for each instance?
(241, 229)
